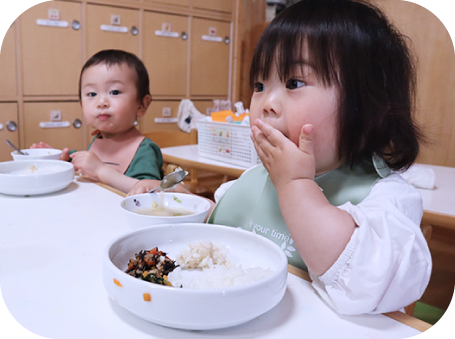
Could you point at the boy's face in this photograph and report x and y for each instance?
(109, 98)
(301, 99)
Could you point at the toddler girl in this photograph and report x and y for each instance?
(334, 87)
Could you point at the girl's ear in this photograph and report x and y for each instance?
(144, 105)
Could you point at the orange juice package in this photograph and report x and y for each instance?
(228, 116)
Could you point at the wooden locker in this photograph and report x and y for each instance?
(203, 105)
(214, 5)
(51, 48)
(209, 57)
(165, 53)
(8, 84)
(8, 129)
(38, 117)
(156, 109)
(112, 28)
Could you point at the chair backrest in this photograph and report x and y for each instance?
(170, 138)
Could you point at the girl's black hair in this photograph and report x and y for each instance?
(352, 45)
(111, 57)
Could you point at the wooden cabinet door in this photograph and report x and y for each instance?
(165, 53)
(8, 129)
(209, 57)
(112, 28)
(214, 5)
(51, 48)
(8, 84)
(148, 122)
(38, 124)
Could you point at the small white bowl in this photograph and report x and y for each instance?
(34, 177)
(38, 153)
(131, 204)
(195, 309)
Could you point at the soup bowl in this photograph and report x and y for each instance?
(38, 154)
(178, 203)
(191, 308)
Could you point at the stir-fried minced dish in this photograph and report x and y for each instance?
(151, 265)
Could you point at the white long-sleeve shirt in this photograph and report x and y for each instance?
(387, 263)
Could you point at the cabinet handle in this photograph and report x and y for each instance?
(134, 30)
(11, 126)
(77, 123)
(184, 36)
(227, 40)
(75, 25)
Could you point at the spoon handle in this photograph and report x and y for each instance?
(13, 146)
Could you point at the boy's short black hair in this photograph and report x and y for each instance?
(111, 57)
(352, 45)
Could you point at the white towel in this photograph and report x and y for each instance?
(188, 115)
(420, 176)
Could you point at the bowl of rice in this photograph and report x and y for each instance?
(194, 276)
(37, 154)
(34, 177)
(148, 209)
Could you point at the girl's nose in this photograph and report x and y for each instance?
(271, 104)
(102, 102)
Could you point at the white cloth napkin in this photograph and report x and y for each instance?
(420, 176)
(188, 115)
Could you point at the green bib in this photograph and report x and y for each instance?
(252, 203)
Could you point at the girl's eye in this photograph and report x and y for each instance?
(258, 87)
(294, 83)
(91, 94)
(115, 92)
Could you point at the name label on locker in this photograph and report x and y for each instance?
(54, 124)
(116, 29)
(165, 120)
(212, 38)
(52, 23)
(167, 34)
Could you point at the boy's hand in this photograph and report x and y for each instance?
(87, 163)
(40, 145)
(283, 160)
(144, 186)
(65, 152)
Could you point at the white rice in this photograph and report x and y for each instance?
(205, 265)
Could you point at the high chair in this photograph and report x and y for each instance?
(426, 230)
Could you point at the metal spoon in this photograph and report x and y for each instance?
(17, 149)
(170, 181)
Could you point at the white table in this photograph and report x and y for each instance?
(188, 155)
(439, 202)
(50, 276)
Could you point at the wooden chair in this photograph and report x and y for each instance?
(426, 230)
(197, 182)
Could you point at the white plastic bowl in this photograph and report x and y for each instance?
(38, 153)
(197, 204)
(195, 309)
(34, 177)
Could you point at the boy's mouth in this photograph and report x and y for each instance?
(103, 116)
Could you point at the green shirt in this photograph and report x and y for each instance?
(147, 162)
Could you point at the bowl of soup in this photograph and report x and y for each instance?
(37, 154)
(147, 209)
(226, 276)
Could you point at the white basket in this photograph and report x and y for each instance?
(227, 142)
